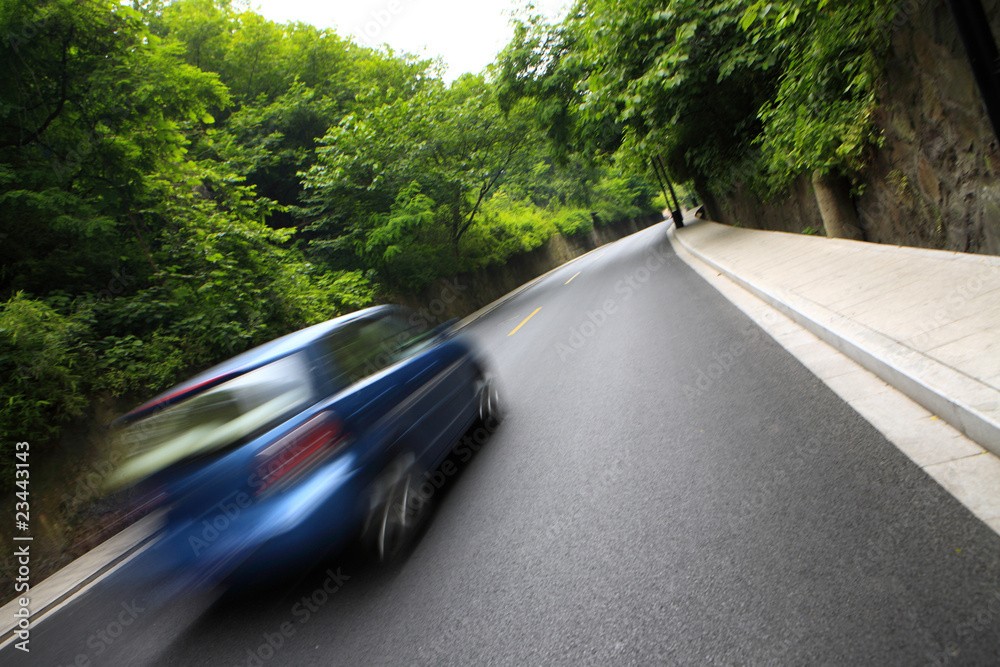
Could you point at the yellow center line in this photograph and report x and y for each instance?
(524, 322)
(571, 279)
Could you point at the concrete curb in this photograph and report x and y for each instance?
(950, 394)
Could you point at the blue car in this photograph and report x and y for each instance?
(300, 445)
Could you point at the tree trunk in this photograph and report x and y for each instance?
(456, 221)
(833, 196)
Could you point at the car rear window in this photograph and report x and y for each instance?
(216, 418)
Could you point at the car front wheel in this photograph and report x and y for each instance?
(491, 411)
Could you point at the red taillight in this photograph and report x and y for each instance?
(300, 451)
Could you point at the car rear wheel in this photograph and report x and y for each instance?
(399, 511)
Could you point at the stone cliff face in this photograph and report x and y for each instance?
(798, 212)
(935, 182)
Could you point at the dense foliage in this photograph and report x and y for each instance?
(726, 91)
(181, 181)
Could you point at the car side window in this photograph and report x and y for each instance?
(360, 349)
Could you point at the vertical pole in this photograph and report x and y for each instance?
(676, 212)
(659, 178)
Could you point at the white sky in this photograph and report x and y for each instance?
(467, 34)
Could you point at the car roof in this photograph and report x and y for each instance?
(252, 359)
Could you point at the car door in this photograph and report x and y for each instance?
(432, 372)
(399, 382)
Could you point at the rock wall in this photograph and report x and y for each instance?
(464, 293)
(799, 212)
(934, 182)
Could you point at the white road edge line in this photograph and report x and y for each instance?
(50, 611)
(966, 470)
(490, 307)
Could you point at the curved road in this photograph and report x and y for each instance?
(670, 487)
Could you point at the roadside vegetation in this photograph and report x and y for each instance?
(179, 182)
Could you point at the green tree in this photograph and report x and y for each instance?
(725, 92)
(822, 115)
(93, 105)
(416, 168)
(128, 240)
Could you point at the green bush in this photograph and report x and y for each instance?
(43, 368)
(132, 365)
(574, 222)
(622, 198)
(660, 202)
(511, 226)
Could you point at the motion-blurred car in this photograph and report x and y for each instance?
(306, 442)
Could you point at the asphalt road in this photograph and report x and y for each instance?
(670, 487)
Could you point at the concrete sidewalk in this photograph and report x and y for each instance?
(925, 321)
